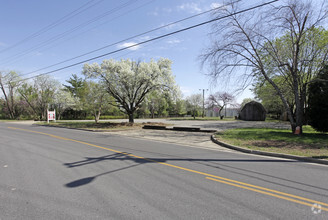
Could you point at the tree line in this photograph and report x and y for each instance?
(114, 88)
(282, 50)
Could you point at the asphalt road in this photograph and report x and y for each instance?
(55, 173)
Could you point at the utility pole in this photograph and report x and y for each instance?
(203, 101)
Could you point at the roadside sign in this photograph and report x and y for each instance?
(51, 115)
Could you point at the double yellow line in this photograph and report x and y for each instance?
(254, 188)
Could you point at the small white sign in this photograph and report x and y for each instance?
(51, 115)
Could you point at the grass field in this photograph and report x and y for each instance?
(202, 119)
(310, 144)
(100, 126)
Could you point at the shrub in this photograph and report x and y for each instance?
(318, 101)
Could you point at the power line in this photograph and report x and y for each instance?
(92, 28)
(54, 24)
(59, 36)
(153, 39)
(129, 38)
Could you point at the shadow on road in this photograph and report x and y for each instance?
(214, 163)
(124, 156)
(88, 180)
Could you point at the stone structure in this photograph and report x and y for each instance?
(253, 111)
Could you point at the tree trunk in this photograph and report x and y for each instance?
(11, 92)
(284, 101)
(97, 116)
(299, 109)
(299, 119)
(11, 114)
(152, 113)
(221, 117)
(131, 119)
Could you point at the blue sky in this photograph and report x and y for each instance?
(104, 22)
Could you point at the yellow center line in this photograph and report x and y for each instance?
(208, 176)
(266, 193)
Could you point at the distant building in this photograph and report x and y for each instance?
(228, 112)
(253, 111)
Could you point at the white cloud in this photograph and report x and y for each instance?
(169, 27)
(2, 44)
(37, 53)
(129, 44)
(167, 10)
(154, 12)
(186, 91)
(216, 5)
(144, 38)
(160, 11)
(174, 41)
(190, 7)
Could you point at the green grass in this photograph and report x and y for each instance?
(100, 126)
(310, 144)
(203, 119)
(15, 120)
(215, 119)
(6, 120)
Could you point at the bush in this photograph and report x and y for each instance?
(70, 114)
(318, 101)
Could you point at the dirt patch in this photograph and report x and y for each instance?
(155, 123)
(284, 144)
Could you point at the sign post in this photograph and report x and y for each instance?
(51, 115)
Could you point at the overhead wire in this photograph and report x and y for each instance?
(92, 28)
(130, 38)
(152, 39)
(59, 36)
(54, 24)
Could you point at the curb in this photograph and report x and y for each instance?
(287, 156)
(188, 129)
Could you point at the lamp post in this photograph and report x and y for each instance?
(203, 101)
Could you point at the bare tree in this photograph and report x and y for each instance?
(283, 41)
(195, 102)
(8, 85)
(40, 94)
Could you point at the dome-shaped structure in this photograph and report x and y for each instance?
(253, 111)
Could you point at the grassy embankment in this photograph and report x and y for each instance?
(310, 144)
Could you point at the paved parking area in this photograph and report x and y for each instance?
(192, 139)
(215, 125)
(195, 139)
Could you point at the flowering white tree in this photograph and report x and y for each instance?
(220, 100)
(129, 82)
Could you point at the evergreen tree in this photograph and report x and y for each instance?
(318, 101)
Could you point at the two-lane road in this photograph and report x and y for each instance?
(54, 173)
